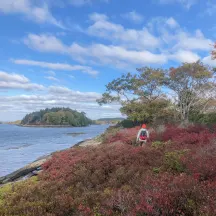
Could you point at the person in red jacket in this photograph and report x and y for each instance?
(142, 135)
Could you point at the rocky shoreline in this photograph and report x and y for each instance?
(35, 167)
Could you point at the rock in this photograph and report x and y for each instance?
(30, 169)
(36, 172)
(90, 142)
(35, 168)
(75, 134)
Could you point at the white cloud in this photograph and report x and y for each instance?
(166, 28)
(37, 14)
(129, 47)
(193, 42)
(56, 66)
(17, 81)
(59, 90)
(171, 22)
(24, 86)
(12, 77)
(139, 39)
(43, 15)
(13, 6)
(57, 96)
(16, 106)
(45, 43)
(106, 54)
(185, 3)
(134, 17)
(172, 39)
(185, 56)
(52, 78)
(98, 17)
(208, 60)
(176, 38)
(87, 96)
(117, 55)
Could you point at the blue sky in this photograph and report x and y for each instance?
(64, 53)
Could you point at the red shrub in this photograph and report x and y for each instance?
(61, 162)
(184, 138)
(118, 179)
(126, 136)
(164, 194)
(201, 163)
(174, 195)
(110, 164)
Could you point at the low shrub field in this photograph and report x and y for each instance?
(173, 175)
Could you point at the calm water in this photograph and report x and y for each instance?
(20, 146)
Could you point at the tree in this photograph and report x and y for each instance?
(158, 111)
(57, 116)
(193, 86)
(140, 95)
(145, 86)
(144, 96)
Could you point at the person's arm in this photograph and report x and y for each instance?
(138, 135)
(147, 132)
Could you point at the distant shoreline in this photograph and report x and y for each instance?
(46, 126)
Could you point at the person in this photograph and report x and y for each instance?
(142, 135)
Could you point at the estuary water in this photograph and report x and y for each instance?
(20, 146)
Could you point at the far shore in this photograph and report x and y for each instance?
(50, 126)
(46, 126)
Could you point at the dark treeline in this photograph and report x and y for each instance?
(57, 116)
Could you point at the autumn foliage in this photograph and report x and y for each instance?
(174, 174)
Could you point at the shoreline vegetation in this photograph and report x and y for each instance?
(110, 121)
(45, 126)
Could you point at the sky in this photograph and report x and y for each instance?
(63, 52)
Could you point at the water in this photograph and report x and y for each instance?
(22, 145)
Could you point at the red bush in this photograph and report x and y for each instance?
(114, 163)
(125, 173)
(164, 194)
(183, 138)
(126, 136)
(174, 195)
(201, 163)
(167, 178)
(62, 162)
